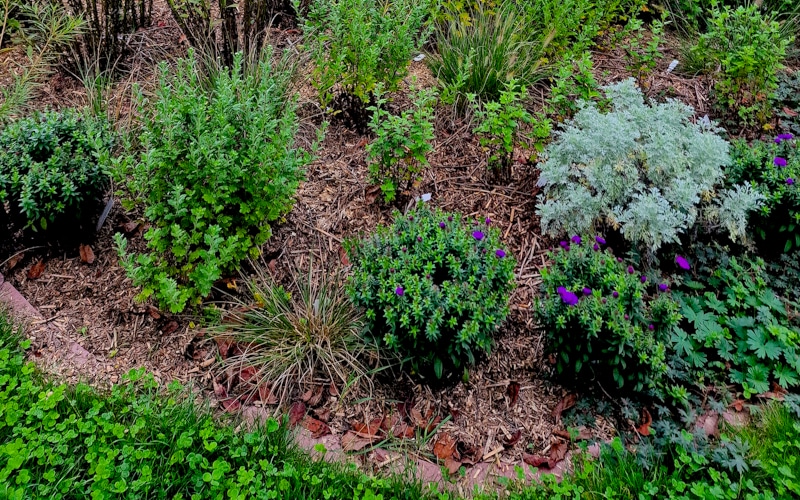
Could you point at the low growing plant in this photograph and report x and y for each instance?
(54, 168)
(735, 324)
(748, 48)
(787, 101)
(604, 321)
(292, 336)
(771, 168)
(434, 287)
(398, 154)
(498, 127)
(573, 82)
(644, 169)
(219, 164)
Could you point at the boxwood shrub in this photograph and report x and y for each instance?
(434, 286)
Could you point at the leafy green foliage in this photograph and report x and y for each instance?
(358, 44)
(219, 164)
(602, 321)
(738, 325)
(572, 83)
(398, 153)
(53, 167)
(642, 48)
(434, 288)
(144, 441)
(498, 126)
(787, 101)
(749, 48)
(644, 169)
(761, 164)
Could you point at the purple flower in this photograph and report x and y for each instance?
(596, 247)
(604, 300)
(630, 269)
(790, 181)
(619, 259)
(449, 218)
(644, 279)
(779, 162)
(627, 317)
(410, 217)
(651, 327)
(600, 240)
(576, 239)
(615, 294)
(419, 238)
(477, 235)
(399, 291)
(563, 244)
(587, 291)
(500, 253)
(682, 262)
(567, 297)
(488, 221)
(783, 137)
(663, 287)
(442, 225)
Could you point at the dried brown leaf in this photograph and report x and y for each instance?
(644, 428)
(565, 404)
(452, 465)
(510, 441)
(296, 413)
(87, 255)
(36, 270)
(513, 393)
(445, 446)
(353, 442)
(14, 260)
(153, 312)
(170, 328)
(317, 428)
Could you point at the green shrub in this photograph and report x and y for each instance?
(602, 319)
(482, 54)
(498, 127)
(735, 324)
(289, 337)
(434, 288)
(398, 154)
(748, 48)
(358, 44)
(53, 167)
(139, 440)
(771, 169)
(572, 82)
(787, 101)
(219, 165)
(645, 169)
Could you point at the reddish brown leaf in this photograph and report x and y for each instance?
(535, 460)
(512, 391)
(333, 390)
(87, 255)
(583, 434)
(709, 423)
(317, 428)
(403, 408)
(363, 142)
(219, 390)
(353, 442)
(231, 404)
(403, 430)
(565, 404)
(14, 260)
(296, 413)
(316, 397)
(372, 194)
(343, 256)
(153, 312)
(36, 270)
(389, 422)
(510, 441)
(417, 419)
(247, 373)
(170, 328)
(789, 112)
(452, 465)
(130, 227)
(558, 451)
(273, 266)
(738, 405)
(371, 431)
(470, 454)
(644, 428)
(266, 396)
(224, 345)
(444, 446)
(433, 424)
(551, 358)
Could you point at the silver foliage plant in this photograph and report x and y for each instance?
(643, 168)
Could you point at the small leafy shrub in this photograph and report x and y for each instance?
(289, 336)
(604, 320)
(749, 48)
(572, 83)
(784, 275)
(644, 169)
(481, 54)
(398, 154)
(434, 288)
(642, 48)
(772, 169)
(498, 127)
(736, 324)
(53, 168)
(219, 164)
(358, 44)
